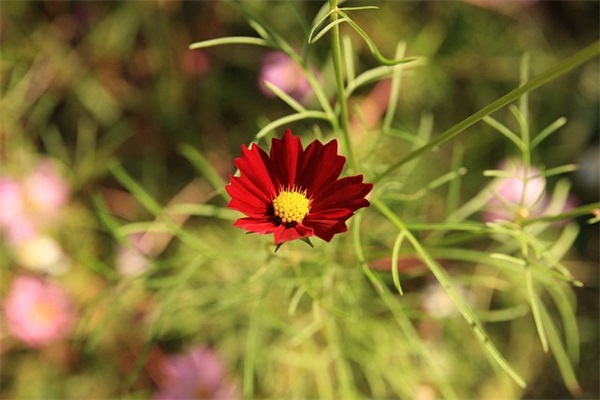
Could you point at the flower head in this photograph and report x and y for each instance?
(38, 311)
(198, 374)
(516, 194)
(295, 193)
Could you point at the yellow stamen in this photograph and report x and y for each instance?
(291, 205)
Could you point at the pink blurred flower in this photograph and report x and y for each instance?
(13, 219)
(516, 195)
(38, 311)
(46, 191)
(31, 204)
(198, 374)
(279, 69)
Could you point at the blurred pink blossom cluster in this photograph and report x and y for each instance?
(31, 208)
(31, 204)
(38, 311)
(197, 374)
(282, 71)
(519, 194)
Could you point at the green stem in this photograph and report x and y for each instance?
(336, 49)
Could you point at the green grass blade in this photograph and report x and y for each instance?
(197, 159)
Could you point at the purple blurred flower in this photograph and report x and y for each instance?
(198, 374)
(282, 71)
(515, 194)
(37, 311)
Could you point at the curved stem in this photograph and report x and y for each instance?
(336, 50)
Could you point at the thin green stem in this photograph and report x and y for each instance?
(336, 51)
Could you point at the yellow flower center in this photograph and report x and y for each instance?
(291, 205)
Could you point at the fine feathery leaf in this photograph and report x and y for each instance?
(230, 40)
(535, 308)
(288, 119)
(395, 257)
(503, 129)
(558, 70)
(550, 129)
(464, 309)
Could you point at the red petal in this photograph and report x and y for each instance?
(245, 187)
(284, 158)
(257, 225)
(348, 193)
(319, 166)
(285, 234)
(325, 228)
(254, 164)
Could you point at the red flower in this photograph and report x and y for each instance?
(295, 193)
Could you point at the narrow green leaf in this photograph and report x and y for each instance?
(560, 355)
(550, 129)
(369, 76)
(395, 256)
(358, 8)
(326, 29)
(230, 40)
(563, 169)
(535, 309)
(566, 303)
(348, 53)
(285, 97)
(394, 89)
(503, 129)
(288, 119)
(383, 60)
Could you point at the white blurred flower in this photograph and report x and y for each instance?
(41, 254)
